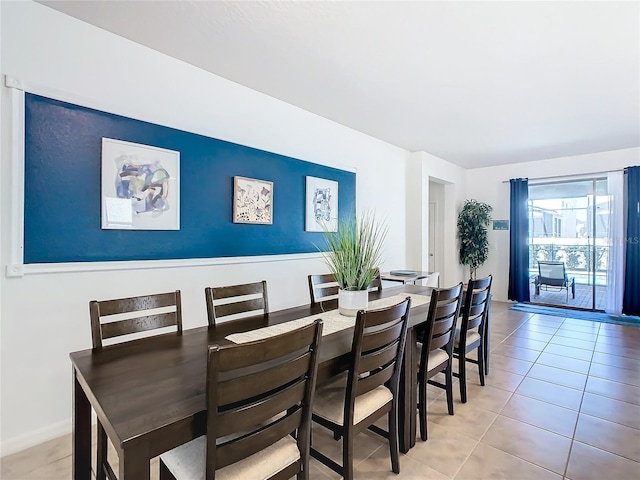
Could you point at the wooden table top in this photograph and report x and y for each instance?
(152, 390)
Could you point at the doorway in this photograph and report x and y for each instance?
(569, 226)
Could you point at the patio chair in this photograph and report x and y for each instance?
(553, 277)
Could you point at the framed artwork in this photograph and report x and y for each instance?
(140, 186)
(501, 224)
(252, 201)
(321, 205)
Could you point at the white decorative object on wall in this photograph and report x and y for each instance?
(140, 186)
(321, 205)
(252, 201)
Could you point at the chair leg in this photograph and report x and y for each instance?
(394, 448)
(101, 456)
(462, 374)
(481, 362)
(422, 408)
(449, 386)
(347, 455)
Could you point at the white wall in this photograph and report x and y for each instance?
(45, 316)
(486, 185)
(423, 168)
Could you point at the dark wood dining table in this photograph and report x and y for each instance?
(149, 394)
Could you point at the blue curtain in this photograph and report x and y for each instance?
(519, 241)
(631, 300)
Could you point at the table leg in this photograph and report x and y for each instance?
(135, 463)
(407, 393)
(81, 447)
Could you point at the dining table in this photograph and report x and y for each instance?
(404, 276)
(149, 393)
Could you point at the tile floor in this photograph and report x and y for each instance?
(562, 401)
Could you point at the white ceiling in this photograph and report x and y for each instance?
(474, 83)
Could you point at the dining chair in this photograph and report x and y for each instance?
(322, 288)
(472, 332)
(435, 345)
(369, 389)
(259, 398)
(134, 315)
(236, 301)
(376, 283)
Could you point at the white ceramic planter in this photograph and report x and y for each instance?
(350, 301)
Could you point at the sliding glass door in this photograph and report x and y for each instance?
(569, 231)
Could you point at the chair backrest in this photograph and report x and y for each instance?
(433, 280)
(134, 315)
(552, 273)
(376, 283)
(236, 301)
(322, 288)
(260, 392)
(376, 353)
(439, 330)
(476, 304)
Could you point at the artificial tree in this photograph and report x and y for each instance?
(473, 220)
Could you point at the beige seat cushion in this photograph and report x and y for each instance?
(328, 402)
(436, 357)
(188, 461)
(472, 336)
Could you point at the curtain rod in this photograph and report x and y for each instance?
(592, 174)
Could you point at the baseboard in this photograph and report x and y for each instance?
(33, 438)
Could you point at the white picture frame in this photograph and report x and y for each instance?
(321, 205)
(252, 201)
(140, 186)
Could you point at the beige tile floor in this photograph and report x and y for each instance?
(562, 401)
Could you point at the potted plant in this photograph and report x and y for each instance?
(353, 255)
(473, 221)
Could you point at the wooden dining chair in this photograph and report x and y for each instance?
(236, 301)
(472, 332)
(376, 283)
(322, 288)
(369, 389)
(435, 343)
(133, 315)
(259, 399)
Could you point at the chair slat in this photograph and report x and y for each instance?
(382, 337)
(378, 317)
(238, 290)
(247, 415)
(245, 306)
(139, 324)
(245, 446)
(134, 304)
(374, 380)
(378, 358)
(264, 381)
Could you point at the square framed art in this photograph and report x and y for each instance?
(140, 186)
(252, 201)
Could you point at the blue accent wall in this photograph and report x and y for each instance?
(62, 210)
